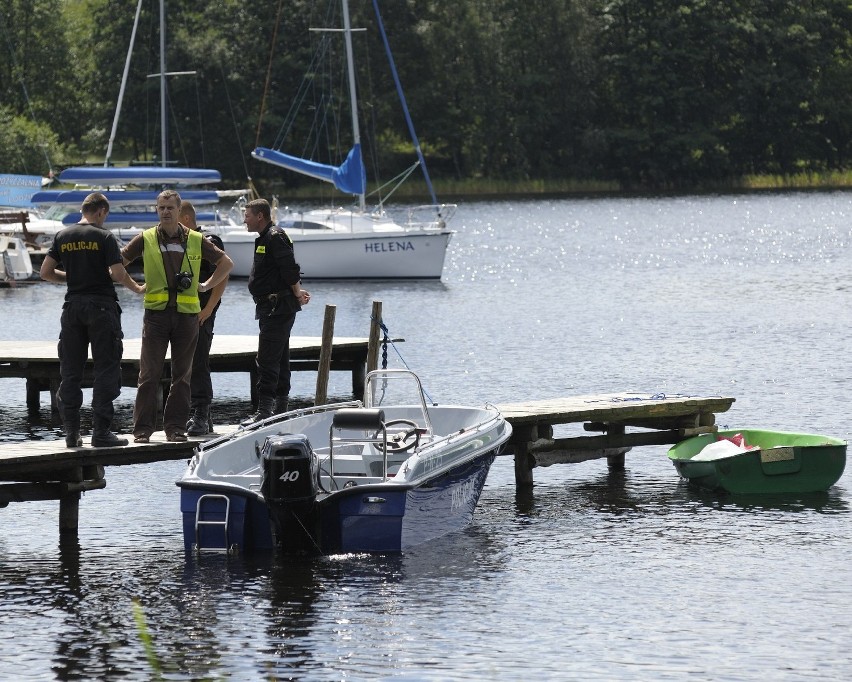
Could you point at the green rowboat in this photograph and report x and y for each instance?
(784, 462)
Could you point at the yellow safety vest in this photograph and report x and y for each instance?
(156, 281)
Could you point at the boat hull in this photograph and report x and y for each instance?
(385, 519)
(15, 262)
(375, 519)
(784, 463)
(341, 255)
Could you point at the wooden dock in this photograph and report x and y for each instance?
(37, 362)
(622, 420)
(45, 470)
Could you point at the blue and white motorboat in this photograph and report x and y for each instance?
(381, 475)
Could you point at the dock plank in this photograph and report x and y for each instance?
(619, 407)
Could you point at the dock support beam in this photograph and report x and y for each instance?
(522, 439)
(69, 514)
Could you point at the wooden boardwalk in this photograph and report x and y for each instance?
(656, 419)
(37, 361)
(42, 470)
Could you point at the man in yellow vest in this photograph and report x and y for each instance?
(171, 257)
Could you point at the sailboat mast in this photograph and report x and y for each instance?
(123, 85)
(163, 117)
(350, 62)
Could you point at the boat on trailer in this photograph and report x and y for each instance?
(746, 461)
(378, 475)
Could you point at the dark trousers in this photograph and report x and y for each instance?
(273, 356)
(161, 329)
(96, 322)
(201, 384)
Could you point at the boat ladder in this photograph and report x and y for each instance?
(199, 522)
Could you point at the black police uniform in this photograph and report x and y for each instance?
(201, 384)
(273, 273)
(90, 315)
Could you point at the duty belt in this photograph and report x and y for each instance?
(268, 298)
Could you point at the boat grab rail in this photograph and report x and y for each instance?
(371, 389)
(428, 449)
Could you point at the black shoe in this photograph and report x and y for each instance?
(107, 439)
(258, 416)
(199, 423)
(73, 440)
(265, 407)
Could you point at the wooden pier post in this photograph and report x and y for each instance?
(69, 514)
(324, 368)
(373, 339)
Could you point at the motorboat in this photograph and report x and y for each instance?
(746, 461)
(15, 262)
(379, 475)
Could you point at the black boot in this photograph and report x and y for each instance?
(264, 411)
(199, 423)
(72, 429)
(106, 439)
(281, 405)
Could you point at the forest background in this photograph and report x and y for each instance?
(526, 95)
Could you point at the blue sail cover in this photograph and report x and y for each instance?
(349, 176)
(138, 175)
(129, 197)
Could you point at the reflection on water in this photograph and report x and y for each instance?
(592, 574)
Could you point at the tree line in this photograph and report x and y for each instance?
(659, 94)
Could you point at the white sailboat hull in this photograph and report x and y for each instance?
(403, 254)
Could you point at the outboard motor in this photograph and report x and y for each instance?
(290, 485)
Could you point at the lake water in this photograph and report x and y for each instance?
(590, 576)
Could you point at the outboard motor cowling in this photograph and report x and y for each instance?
(290, 486)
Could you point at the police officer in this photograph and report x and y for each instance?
(275, 286)
(90, 262)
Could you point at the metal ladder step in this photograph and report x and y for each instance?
(209, 497)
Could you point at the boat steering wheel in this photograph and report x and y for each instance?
(401, 440)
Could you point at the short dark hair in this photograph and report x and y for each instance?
(94, 202)
(260, 206)
(169, 194)
(186, 208)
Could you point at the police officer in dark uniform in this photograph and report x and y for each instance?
(90, 261)
(276, 288)
(201, 385)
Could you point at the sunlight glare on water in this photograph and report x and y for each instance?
(591, 575)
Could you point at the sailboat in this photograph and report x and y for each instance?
(358, 242)
(132, 190)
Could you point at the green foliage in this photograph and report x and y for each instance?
(27, 148)
(643, 93)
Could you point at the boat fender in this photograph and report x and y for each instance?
(357, 418)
